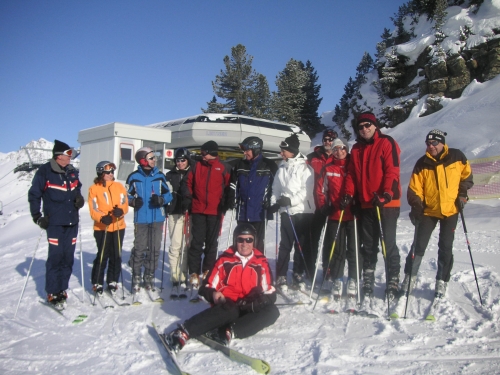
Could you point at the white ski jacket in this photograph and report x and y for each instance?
(295, 180)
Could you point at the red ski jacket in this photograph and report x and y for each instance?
(330, 188)
(236, 281)
(317, 160)
(205, 184)
(374, 167)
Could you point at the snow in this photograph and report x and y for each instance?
(464, 339)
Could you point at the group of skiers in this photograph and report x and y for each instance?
(319, 199)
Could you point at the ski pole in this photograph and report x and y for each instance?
(230, 228)
(330, 258)
(265, 228)
(180, 263)
(81, 258)
(164, 246)
(470, 251)
(412, 252)
(277, 228)
(320, 254)
(120, 257)
(100, 261)
(357, 258)
(385, 260)
(298, 243)
(28, 274)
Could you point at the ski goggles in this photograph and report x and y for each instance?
(431, 143)
(328, 139)
(109, 168)
(243, 240)
(69, 152)
(180, 160)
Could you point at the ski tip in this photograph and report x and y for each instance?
(394, 316)
(430, 318)
(136, 303)
(262, 367)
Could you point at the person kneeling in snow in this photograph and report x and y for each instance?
(240, 292)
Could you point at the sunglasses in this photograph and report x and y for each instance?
(327, 139)
(365, 126)
(151, 158)
(242, 240)
(180, 160)
(338, 149)
(431, 143)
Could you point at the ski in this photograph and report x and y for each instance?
(366, 309)
(60, 310)
(351, 305)
(259, 365)
(104, 301)
(399, 309)
(432, 315)
(154, 296)
(290, 298)
(333, 307)
(116, 299)
(136, 297)
(194, 298)
(170, 352)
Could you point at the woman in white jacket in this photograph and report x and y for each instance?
(293, 196)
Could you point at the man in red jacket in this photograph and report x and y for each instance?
(241, 293)
(203, 193)
(373, 174)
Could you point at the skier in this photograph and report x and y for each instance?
(204, 191)
(241, 294)
(374, 174)
(178, 272)
(438, 185)
(329, 191)
(251, 183)
(56, 183)
(108, 205)
(293, 195)
(147, 192)
(317, 159)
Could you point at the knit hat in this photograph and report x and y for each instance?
(291, 144)
(210, 147)
(366, 117)
(437, 135)
(339, 142)
(330, 133)
(59, 148)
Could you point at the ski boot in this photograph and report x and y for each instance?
(406, 287)
(136, 283)
(113, 287)
(177, 339)
(368, 281)
(281, 284)
(62, 296)
(97, 288)
(337, 289)
(223, 335)
(440, 288)
(352, 288)
(298, 281)
(149, 280)
(392, 287)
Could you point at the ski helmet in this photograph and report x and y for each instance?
(182, 153)
(252, 143)
(104, 166)
(140, 156)
(244, 228)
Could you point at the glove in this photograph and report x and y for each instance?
(137, 203)
(106, 220)
(284, 201)
(266, 204)
(79, 202)
(36, 217)
(157, 200)
(345, 201)
(42, 221)
(381, 201)
(117, 212)
(274, 208)
(461, 201)
(186, 204)
(326, 210)
(254, 301)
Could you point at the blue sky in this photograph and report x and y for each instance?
(71, 65)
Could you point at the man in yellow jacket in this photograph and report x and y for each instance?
(437, 189)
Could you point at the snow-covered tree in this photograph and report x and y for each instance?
(214, 107)
(260, 98)
(309, 119)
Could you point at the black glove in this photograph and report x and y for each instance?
(461, 201)
(254, 301)
(157, 200)
(186, 204)
(136, 203)
(79, 202)
(274, 208)
(326, 210)
(41, 221)
(416, 215)
(117, 212)
(284, 201)
(106, 220)
(345, 201)
(381, 201)
(266, 204)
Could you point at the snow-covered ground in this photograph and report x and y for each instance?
(465, 339)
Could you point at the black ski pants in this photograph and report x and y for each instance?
(424, 228)
(245, 324)
(302, 226)
(345, 248)
(109, 250)
(205, 229)
(370, 236)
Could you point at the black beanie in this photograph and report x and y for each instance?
(437, 135)
(291, 144)
(210, 147)
(59, 148)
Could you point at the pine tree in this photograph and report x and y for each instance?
(214, 107)
(237, 82)
(364, 66)
(288, 101)
(387, 37)
(260, 98)
(440, 14)
(309, 119)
